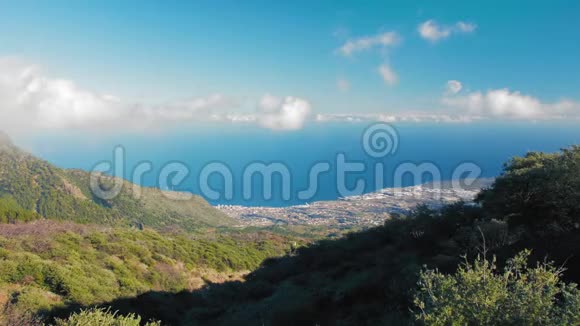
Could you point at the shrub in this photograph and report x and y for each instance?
(477, 294)
(102, 317)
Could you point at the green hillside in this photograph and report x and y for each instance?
(51, 265)
(54, 193)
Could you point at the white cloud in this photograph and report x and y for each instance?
(465, 27)
(394, 117)
(384, 40)
(389, 76)
(453, 87)
(269, 103)
(505, 104)
(30, 100)
(432, 31)
(342, 84)
(493, 105)
(289, 113)
(27, 98)
(210, 107)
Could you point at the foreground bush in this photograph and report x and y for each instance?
(477, 294)
(102, 317)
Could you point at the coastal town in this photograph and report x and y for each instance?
(366, 210)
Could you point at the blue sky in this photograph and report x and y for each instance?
(280, 63)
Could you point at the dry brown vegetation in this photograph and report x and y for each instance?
(44, 228)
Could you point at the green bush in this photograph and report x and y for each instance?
(478, 294)
(102, 317)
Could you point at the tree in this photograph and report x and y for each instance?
(539, 190)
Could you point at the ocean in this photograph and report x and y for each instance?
(306, 164)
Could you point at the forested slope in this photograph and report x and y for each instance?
(38, 186)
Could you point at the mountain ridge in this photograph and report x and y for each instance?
(65, 194)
